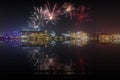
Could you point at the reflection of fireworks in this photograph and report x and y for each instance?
(44, 61)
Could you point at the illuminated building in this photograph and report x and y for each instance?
(34, 38)
(105, 38)
(14, 35)
(79, 38)
(94, 37)
(116, 36)
(79, 35)
(35, 34)
(109, 38)
(72, 36)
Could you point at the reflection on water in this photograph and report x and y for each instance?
(55, 56)
(49, 59)
(46, 61)
(48, 55)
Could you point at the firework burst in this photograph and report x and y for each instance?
(68, 9)
(37, 18)
(51, 14)
(83, 14)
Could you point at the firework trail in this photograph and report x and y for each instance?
(81, 14)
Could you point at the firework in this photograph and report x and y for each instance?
(82, 14)
(37, 18)
(68, 9)
(51, 14)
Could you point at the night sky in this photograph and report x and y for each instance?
(105, 15)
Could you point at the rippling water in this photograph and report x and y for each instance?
(58, 57)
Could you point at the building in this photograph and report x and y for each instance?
(33, 35)
(105, 38)
(79, 35)
(109, 38)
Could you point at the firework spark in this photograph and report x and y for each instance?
(68, 9)
(81, 14)
(37, 18)
(51, 14)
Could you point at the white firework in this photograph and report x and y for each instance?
(37, 18)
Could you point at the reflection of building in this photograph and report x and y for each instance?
(78, 42)
(94, 37)
(75, 42)
(45, 62)
(38, 42)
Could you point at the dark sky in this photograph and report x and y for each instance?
(105, 14)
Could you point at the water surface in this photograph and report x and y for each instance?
(58, 57)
